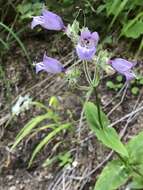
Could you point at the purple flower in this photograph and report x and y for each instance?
(49, 65)
(124, 67)
(48, 20)
(86, 47)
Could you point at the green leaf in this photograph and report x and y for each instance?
(14, 35)
(135, 149)
(73, 31)
(65, 159)
(49, 161)
(141, 81)
(112, 7)
(6, 45)
(135, 90)
(108, 136)
(47, 139)
(130, 26)
(54, 102)
(119, 8)
(68, 2)
(137, 2)
(24, 8)
(28, 128)
(100, 8)
(137, 183)
(112, 177)
(110, 85)
(119, 78)
(135, 30)
(91, 114)
(118, 86)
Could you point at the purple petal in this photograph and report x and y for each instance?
(129, 76)
(86, 47)
(49, 65)
(39, 67)
(121, 65)
(124, 67)
(85, 34)
(48, 20)
(95, 37)
(85, 53)
(37, 20)
(52, 21)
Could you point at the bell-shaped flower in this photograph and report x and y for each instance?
(124, 67)
(48, 20)
(86, 46)
(50, 65)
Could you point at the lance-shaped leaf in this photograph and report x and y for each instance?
(112, 177)
(47, 139)
(107, 135)
(135, 149)
(26, 130)
(137, 183)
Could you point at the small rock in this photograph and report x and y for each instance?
(10, 177)
(27, 181)
(12, 188)
(17, 181)
(21, 186)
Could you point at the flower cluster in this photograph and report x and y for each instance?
(85, 46)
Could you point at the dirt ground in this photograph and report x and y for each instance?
(89, 156)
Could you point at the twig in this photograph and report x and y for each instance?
(82, 115)
(63, 181)
(4, 119)
(117, 105)
(126, 116)
(116, 96)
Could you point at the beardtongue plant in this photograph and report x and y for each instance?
(85, 42)
(128, 166)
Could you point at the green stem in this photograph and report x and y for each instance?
(121, 158)
(87, 70)
(98, 108)
(88, 78)
(125, 163)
